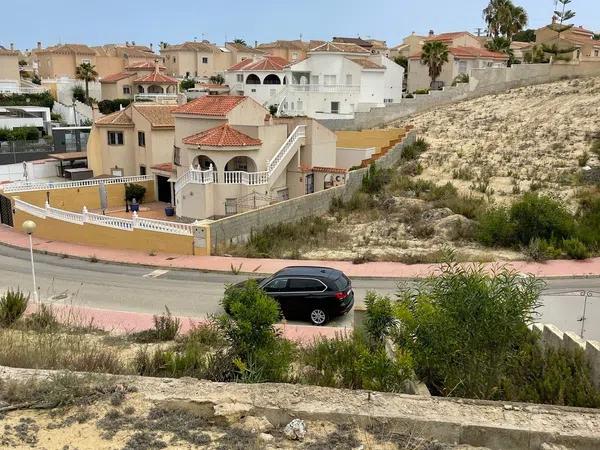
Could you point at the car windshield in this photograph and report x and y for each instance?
(342, 282)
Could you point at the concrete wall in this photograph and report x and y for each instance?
(552, 337)
(100, 236)
(238, 228)
(74, 199)
(483, 82)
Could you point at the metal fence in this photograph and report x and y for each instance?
(12, 152)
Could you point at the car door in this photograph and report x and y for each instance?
(304, 294)
(277, 289)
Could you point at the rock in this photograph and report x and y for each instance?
(231, 412)
(433, 215)
(265, 437)
(295, 430)
(454, 227)
(253, 424)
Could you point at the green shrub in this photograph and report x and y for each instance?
(380, 316)
(557, 377)
(463, 325)
(595, 147)
(13, 305)
(461, 78)
(187, 84)
(422, 91)
(44, 99)
(136, 191)
(166, 326)
(43, 319)
(260, 354)
(575, 249)
(538, 216)
(111, 106)
(78, 93)
(351, 362)
(375, 179)
(495, 228)
(583, 159)
(541, 250)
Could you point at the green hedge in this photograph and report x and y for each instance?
(44, 99)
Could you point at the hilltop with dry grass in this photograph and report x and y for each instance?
(532, 138)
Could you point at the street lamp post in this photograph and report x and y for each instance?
(29, 227)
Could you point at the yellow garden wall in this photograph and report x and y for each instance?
(74, 199)
(100, 236)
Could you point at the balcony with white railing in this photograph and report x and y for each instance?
(25, 186)
(325, 88)
(245, 178)
(157, 98)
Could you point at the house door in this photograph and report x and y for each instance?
(310, 183)
(164, 189)
(6, 217)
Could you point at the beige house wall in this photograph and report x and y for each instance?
(9, 67)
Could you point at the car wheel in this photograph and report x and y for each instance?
(318, 317)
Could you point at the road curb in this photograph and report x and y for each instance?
(243, 272)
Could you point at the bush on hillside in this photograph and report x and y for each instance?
(110, 106)
(44, 99)
(13, 305)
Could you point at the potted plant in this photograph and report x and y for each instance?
(134, 206)
(169, 211)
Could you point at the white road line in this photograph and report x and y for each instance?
(155, 273)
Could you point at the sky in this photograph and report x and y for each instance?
(94, 22)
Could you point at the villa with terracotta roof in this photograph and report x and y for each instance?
(201, 60)
(139, 80)
(137, 140)
(335, 80)
(288, 50)
(466, 52)
(217, 155)
(579, 38)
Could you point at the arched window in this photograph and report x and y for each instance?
(252, 79)
(272, 79)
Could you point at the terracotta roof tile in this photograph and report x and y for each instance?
(444, 37)
(113, 78)
(203, 46)
(243, 48)
(471, 53)
(146, 65)
(159, 116)
(366, 63)
(292, 45)
(329, 169)
(339, 47)
(118, 118)
(222, 136)
(6, 52)
(211, 105)
(164, 167)
(155, 77)
(268, 63)
(357, 41)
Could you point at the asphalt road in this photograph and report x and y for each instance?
(197, 294)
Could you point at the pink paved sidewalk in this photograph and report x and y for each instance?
(124, 321)
(550, 269)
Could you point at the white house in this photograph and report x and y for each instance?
(334, 81)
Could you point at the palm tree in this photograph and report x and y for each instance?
(504, 18)
(87, 73)
(501, 45)
(240, 41)
(434, 55)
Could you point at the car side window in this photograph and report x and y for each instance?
(305, 285)
(277, 285)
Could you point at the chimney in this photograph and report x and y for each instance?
(151, 46)
(12, 47)
(554, 19)
(255, 44)
(127, 43)
(156, 66)
(132, 42)
(431, 33)
(39, 45)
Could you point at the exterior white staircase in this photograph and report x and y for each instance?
(275, 167)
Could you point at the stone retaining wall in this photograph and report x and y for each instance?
(482, 82)
(238, 228)
(554, 338)
(495, 425)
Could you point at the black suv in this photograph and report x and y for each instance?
(314, 293)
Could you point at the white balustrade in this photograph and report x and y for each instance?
(25, 186)
(163, 226)
(109, 221)
(34, 210)
(298, 133)
(325, 88)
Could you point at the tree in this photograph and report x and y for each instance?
(217, 79)
(86, 72)
(535, 56)
(402, 61)
(501, 45)
(560, 26)
(503, 18)
(596, 36)
(78, 94)
(187, 84)
(434, 55)
(240, 42)
(525, 36)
